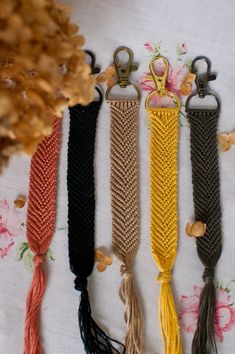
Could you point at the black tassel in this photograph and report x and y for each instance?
(81, 221)
(94, 338)
(204, 338)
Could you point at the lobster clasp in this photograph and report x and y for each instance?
(202, 79)
(160, 80)
(159, 68)
(123, 71)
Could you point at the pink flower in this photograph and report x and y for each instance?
(182, 48)
(9, 227)
(174, 80)
(149, 47)
(146, 84)
(224, 312)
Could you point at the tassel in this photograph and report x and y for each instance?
(40, 227)
(168, 316)
(94, 338)
(33, 304)
(206, 196)
(133, 318)
(164, 216)
(124, 185)
(204, 338)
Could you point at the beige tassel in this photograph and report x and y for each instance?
(132, 313)
(125, 210)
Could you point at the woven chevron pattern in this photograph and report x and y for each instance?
(40, 227)
(124, 177)
(81, 220)
(42, 192)
(163, 214)
(206, 196)
(163, 185)
(81, 191)
(125, 210)
(206, 185)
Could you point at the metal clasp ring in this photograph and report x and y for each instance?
(202, 82)
(123, 71)
(160, 82)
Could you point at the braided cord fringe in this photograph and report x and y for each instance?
(40, 228)
(81, 221)
(163, 215)
(206, 196)
(125, 211)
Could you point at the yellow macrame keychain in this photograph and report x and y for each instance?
(163, 197)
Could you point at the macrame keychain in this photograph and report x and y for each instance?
(163, 198)
(40, 228)
(125, 198)
(206, 196)
(81, 217)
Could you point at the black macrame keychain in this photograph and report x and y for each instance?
(81, 218)
(206, 196)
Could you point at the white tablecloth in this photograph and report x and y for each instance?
(208, 28)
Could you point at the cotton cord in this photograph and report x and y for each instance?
(40, 228)
(206, 196)
(163, 215)
(81, 221)
(125, 211)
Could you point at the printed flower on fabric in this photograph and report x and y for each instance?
(10, 227)
(178, 76)
(179, 80)
(181, 49)
(24, 253)
(224, 311)
(175, 80)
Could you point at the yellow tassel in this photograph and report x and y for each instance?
(164, 218)
(168, 316)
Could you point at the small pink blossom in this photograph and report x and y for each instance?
(9, 227)
(174, 80)
(149, 46)
(224, 312)
(145, 83)
(182, 48)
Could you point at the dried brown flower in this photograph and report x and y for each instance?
(20, 201)
(103, 261)
(197, 229)
(226, 141)
(42, 70)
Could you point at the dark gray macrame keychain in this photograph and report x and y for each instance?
(206, 197)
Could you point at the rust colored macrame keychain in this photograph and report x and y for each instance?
(206, 196)
(40, 228)
(125, 196)
(163, 199)
(81, 218)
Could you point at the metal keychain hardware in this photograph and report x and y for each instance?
(160, 82)
(123, 71)
(201, 81)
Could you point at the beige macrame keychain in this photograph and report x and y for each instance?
(125, 199)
